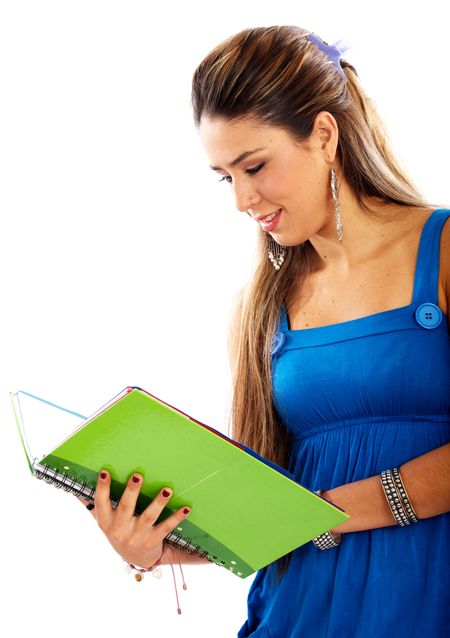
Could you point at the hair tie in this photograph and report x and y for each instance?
(334, 52)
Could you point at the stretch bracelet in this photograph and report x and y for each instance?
(397, 498)
(407, 506)
(393, 499)
(140, 571)
(327, 540)
(157, 571)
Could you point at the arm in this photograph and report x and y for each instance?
(426, 479)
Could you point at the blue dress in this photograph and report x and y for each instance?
(360, 397)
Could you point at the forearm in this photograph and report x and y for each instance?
(426, 480)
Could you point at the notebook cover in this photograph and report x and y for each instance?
(246, 512)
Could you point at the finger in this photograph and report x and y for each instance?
(153, 511)
(127, 504)
(103, 508)
(169, 524)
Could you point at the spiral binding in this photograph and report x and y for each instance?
(80, 487)
(186, 544)
(67, 480)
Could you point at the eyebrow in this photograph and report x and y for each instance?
(239, 159)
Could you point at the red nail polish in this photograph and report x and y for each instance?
(103, 475)
(166, 493)
(186, 510)
(136, 479)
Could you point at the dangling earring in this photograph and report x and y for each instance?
(337, 206)
(276, 253)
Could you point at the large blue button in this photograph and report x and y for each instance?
(428, 315)
(277, 342)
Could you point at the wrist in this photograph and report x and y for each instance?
(364, 501)
(142, 570)
(328, 539)
(328, 496)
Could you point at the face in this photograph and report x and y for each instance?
(269, 171)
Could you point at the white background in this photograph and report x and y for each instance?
(120, 254)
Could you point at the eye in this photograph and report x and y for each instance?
(252, 171)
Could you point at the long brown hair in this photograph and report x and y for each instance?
(276, 76)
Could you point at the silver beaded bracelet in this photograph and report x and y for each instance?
(407, 506)
(329, 539)
(397, 497)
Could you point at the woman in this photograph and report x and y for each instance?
(339, 344)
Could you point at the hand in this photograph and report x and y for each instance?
(135, 538)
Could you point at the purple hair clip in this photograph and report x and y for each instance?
(333, 51)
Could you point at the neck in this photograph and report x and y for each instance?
(363, 236)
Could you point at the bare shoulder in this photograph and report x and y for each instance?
(384, 281)
(444, 262)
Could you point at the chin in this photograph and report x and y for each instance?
(286, 241)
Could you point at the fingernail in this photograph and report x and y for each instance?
(103, 475)
(136, 479)
(186, 510)
(166, 493)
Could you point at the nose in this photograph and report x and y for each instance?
(245, 197)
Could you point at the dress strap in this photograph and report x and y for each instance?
(426, 279)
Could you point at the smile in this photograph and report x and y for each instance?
(270, 221)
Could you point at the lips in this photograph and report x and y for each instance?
(270, 222)
(267, 218)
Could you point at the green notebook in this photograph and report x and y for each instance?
(246, 511)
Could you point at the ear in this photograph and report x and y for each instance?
(326, 134)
